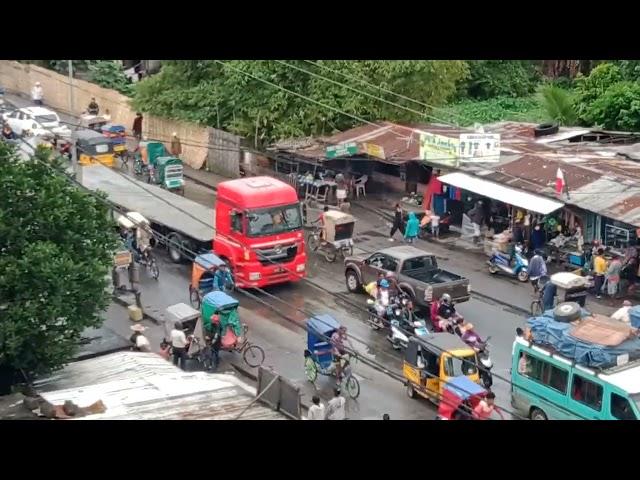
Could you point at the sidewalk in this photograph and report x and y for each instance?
(202, 177)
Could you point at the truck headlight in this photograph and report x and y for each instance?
(300, 268)
(254, 276)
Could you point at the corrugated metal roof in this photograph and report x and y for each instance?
(144, 386)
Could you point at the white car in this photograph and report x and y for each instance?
(36, 121)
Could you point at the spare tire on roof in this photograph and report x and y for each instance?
(545, 129)
(566, 312)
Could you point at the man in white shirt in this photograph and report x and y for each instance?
(37, 94)
(435, 226)
(178, 342)
(316, 411)
(622, 314)
(336, 406)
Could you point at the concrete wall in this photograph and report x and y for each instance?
(20, 78)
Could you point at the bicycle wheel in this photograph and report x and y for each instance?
(310, 369)
(353, 387)
(253, 356)
(194, 298)
(313, 243)
(536, 308)
(154, 271)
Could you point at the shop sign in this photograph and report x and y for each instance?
(342, 150)
(466, 148)
(374, 150)
(479, 147)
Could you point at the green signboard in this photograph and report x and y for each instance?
(342, 150)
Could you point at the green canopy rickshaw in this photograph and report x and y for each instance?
(168, 173)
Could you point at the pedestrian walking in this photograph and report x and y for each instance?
(341, 189)
(37, 94)
(476, 215)
(435, 225)
(537, 269)
(336, 408)
(316, 411)
(397, 222)
(537, 238)
(599, 271)
(137, 126)
(613, 276)
(176, 146)
(412, 228)
(178, 344)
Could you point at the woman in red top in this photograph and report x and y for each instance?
(486, 407)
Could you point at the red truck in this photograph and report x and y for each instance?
(259, 231)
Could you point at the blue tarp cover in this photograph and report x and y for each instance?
(463, 387)
(545, 330)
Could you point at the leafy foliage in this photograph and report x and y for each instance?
(590, 88)
(558, 105)
(618, 108)
(55, 252)
(109, 74)
(630, 69)
(501, 78)
(210, 93)
(468, 112)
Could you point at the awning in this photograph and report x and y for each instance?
(511, 196)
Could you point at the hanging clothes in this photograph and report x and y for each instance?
(434, 187)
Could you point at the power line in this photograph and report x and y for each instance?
(422, 114)
(369, 362)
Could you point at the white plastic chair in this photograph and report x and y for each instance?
(360, 186)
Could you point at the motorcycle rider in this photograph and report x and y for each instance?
(383, 298)
(447, 317)
(222, 279)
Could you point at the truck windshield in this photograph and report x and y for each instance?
(274, 220)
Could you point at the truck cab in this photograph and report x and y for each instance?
(258, 222)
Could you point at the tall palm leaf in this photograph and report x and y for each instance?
(558, 105)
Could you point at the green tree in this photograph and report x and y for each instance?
(501, 78)
(558, 105)
(56, 245)
(109, 74)
(618, 108)
(206, 92)
(590, 88)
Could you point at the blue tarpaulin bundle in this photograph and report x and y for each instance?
(545, 330)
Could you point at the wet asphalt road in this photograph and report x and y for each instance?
(278, 325)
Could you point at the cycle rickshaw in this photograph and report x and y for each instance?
(202, 271)
(318, 356)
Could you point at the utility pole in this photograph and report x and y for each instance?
(70, 64)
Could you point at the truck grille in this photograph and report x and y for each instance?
(280, 254)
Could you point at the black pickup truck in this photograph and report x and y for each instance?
(417, 272)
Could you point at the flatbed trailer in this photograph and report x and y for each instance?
(182, 221)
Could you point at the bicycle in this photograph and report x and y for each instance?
(124, 161)
(252, 354)
(205, 356)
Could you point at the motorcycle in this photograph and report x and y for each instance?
(482, 350)
(403, 325)
(500, 262)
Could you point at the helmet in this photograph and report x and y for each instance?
(446, 298)
(384, 283)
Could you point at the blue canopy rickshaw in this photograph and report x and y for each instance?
(319, 331)
(319, 356)
(204, 266)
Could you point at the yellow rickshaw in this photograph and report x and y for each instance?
(432, 361)
(92, 147)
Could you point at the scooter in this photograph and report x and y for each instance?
(482, 350)
(402, 322)
(500, 262)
